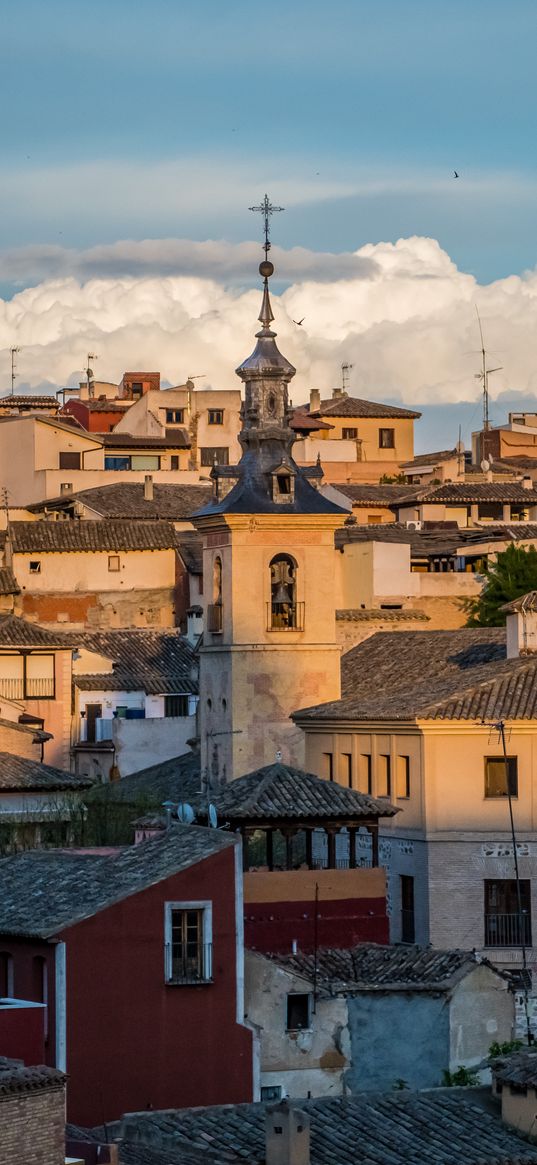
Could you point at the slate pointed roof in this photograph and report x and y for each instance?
(278, 791)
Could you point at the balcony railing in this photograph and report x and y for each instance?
(285, 616)
(507, 930)
(16, 689)
(184, 965)
(214, 618)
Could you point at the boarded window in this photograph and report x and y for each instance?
(384, 776)
(345, 769)
(364, 773)
(145, 461)
(69, 460)
(114, 562)
(328, 766)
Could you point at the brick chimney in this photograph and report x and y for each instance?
(148, 488)
(315, 400)
(527, 482)
(287, 1135)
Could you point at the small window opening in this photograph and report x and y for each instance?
(298, 1012)
(284, 483)
(35, 567)
(113, 562)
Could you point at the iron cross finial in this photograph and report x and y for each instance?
(266, 209)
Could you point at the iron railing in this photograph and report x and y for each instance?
(285, 616)
(507, 930)
(189, 964)
(17, 689)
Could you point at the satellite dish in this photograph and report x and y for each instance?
(485, 466)
(185, 813)
(212, 816)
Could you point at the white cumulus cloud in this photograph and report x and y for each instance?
(402, 314)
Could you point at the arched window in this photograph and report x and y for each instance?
(214, 609)
(284, 613)
(217, 580)
(7, 986)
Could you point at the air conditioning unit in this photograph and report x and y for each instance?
(414, 525)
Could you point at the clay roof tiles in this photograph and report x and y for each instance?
(21, 772)
(90, 535)
(15, 1078)
(369, 966)
(352, 406)
(16, 632)
(518, 1068)
(278, 791)
(126, 500)
(156, 662)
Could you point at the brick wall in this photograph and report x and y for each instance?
(19, 743)
(33, 1127)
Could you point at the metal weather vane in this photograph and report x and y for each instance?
(266, 209)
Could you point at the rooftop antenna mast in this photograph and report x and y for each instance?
(345, 377)
(14, 353)
(89, 372)
(483, 376)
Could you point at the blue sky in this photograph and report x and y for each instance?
(126, 119)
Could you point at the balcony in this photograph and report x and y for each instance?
(186, 965)
(285, 616)
(214, 618)
(507, 930)
(32, 689)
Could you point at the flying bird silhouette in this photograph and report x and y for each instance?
(455, 174)
(299, 322)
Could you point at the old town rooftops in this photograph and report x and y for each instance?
(352, 406)
(45, 891)
(8, 582)
(23, 773)
(279, 791)
(90, 535)
(17, 632)
(432, 675)
(177, 779)
(518, 1068)
(394, 1128)
(126, 500)
(16, 1078)
(377, 495)
(371, 967)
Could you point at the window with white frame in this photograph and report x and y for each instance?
(188, 942)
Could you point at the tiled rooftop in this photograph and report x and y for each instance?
(371, 967)
(177, 779)
(75, 536)
(377, 495)
(44, 891)
(433, 675)
(15, 1078)
(156, 662)
(377, 614)
(279, 791)
(17, 632)
(352, 406)
(485, 491)
(20, 772)
(8, 582)
(451, 1127)
(126, 500)
(435, 458)
(519, 1068)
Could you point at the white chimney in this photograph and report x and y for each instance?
(315, 400)
(521, 625)
(287, 1135)
(148, 488)
(194, 624)
(527, 482)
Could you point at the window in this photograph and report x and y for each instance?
(175, 416)
(113, 462)
(113, 562)
(346, 769)
(137, 389)
(386, 438)
(364, 773)
(176, 705)
(218, 454)
(384, 782)
(26, 676)
(93, 713)
(298, 1012)
(328, 766)
(7, 988)
(284, 613)
(35, 566)
(174, 461)
(69, 460)
(408, 927)
(403, 777)
(216, 417)
(349, 434)
(498, 783)
(271, 1092)
(505, 924)
(145, 461)
(188, 947)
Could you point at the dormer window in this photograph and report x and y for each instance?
(283, 485)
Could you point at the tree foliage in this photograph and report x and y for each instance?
(513, 573)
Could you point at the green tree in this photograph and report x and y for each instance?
(513, 573)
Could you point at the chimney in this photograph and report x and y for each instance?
(194, 624)
(148, 488)
(315, 400)
(287, 1135)
(521, 625)
(337, 393)
(527, 482)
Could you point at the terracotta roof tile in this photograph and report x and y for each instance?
(156, 662)
(126, 500)
(20, 772)
(370, 966)
(277, 791)
(352, 406)
(76, 536)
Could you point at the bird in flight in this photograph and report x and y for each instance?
(455, 174)
(299, 322)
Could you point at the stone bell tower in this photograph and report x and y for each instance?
(268, 580)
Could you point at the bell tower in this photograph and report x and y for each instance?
(268, 564)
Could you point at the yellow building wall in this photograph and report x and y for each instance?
(88, 571)
(368, 434)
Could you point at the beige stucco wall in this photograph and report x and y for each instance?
(482, 1011)
(81, 571)
(368, 433)
(520, 1110)
(302, 1062)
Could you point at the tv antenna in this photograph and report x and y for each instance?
(89, 372)
(483, 376)
(266, 209)
(14, 353)
(345, 376)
